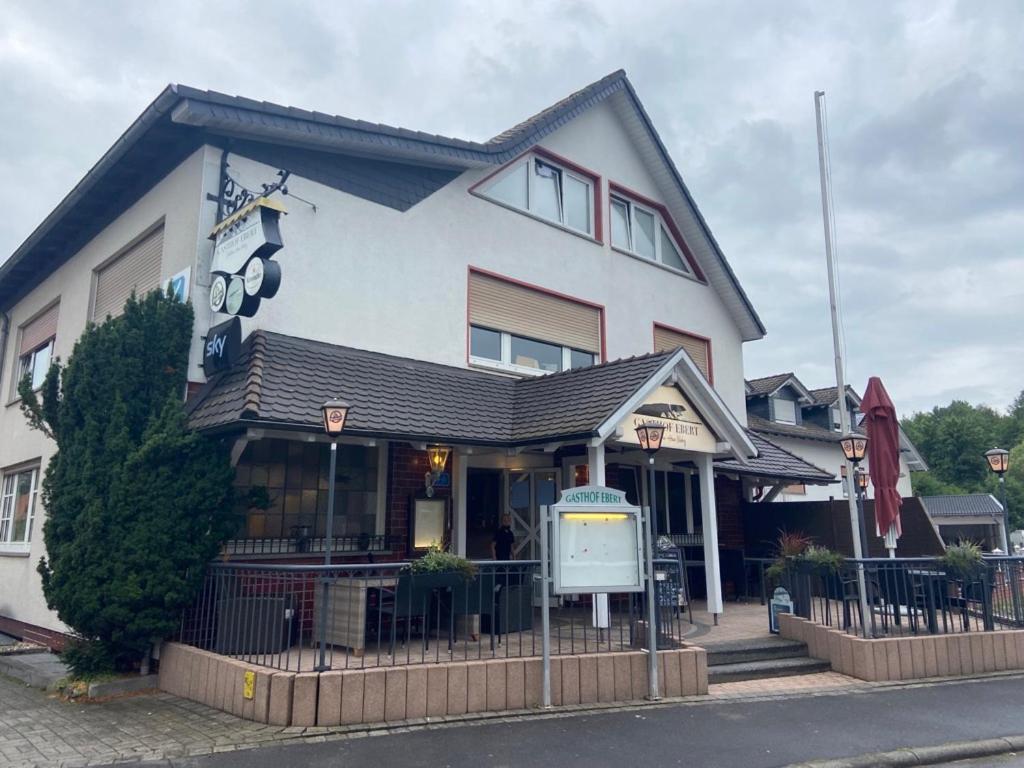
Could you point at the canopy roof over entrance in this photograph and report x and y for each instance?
(280, 381)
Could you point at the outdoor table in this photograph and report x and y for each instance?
(347, 609)
(930, 580)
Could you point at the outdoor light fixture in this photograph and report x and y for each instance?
(998, 460)
(335, 412)
(854, 447)
(862, 480)
(438, 456)
(650, 434)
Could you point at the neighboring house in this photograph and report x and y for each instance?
(519, 304)
(806, 422)
(976, 517)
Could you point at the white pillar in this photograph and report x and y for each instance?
(461, 467)
(595, 460)
(688, 486)
(709, 518)
(600, 617)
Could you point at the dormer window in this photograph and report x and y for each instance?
(548, 190)
(783, 411)
(641, 231)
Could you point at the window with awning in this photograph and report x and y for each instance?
(697, 347)
(136, 270)
(35, 348)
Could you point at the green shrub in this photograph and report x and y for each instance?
(962, 559)
(823, 558)
(437, 560)
(88, 658)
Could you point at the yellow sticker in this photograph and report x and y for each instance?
(249, 686)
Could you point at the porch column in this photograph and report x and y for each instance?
(461, 462)
(709, 518)
(595, 462)
(688, 489)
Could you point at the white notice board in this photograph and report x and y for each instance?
(597, 544)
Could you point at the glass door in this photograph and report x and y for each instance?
(528, 490)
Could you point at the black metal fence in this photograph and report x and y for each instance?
(305, 544)
(910, 596)
(294, 617)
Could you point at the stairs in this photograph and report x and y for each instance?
(760, 659)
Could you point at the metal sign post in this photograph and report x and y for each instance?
(652, 627)
(545, 599)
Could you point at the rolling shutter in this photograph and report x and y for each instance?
(697, 348)
(503, 306)
(138, 270)
(39, 331)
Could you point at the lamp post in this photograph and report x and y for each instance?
(650, 435)
(999, 461)
(862, 489)
(855, 447)
(334, 412)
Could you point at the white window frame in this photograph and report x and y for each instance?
(506, 364)
(775, 412)
(659, 224)
(8, 497)
(529, 161)
(27, 363)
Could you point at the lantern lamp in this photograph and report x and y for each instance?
(438, 457)
(650, 435)
(862, 480)
(335, 412)
(854, 447)
(998, 460)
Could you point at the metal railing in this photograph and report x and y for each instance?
(294, 617)
(911, 596)
(297, 545)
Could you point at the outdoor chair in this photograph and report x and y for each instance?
(410, 601)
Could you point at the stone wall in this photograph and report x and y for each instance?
(908, 658)
(386, 694)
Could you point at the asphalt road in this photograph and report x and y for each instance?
(752, 734)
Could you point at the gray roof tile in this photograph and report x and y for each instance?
(966, 505)
(775, 461)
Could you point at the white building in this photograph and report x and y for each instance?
(430, 282)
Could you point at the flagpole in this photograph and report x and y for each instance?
(844, 414)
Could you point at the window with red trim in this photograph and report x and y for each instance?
(641, 231)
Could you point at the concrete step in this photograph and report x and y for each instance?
(760, 670)
(761, 649)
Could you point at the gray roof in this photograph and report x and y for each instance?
(827, 395)
(774, 461)
(967, 505)
(805, 431)
(767, 384)
(282, 380)
(181, 119)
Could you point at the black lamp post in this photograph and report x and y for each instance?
(650, 435)
(862, 489)
(334, 412)
(855, 447)
(999, 461)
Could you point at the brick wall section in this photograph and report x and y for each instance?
(376, 694)
(406, 468)
(729, 504)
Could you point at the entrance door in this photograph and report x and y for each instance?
(528, 491)
(483, 507)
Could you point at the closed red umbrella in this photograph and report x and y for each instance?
(883, 457)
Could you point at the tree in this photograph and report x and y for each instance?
(137, 504)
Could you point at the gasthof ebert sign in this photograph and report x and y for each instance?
(596, 540)
(684, 428)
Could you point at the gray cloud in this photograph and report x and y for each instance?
(926, 120)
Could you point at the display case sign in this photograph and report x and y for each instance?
(242, 273)
(781, 602)
(596, 540)
(684, 428)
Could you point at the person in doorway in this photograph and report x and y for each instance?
(504, 540)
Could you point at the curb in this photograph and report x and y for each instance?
(908, 756)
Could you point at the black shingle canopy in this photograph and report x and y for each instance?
(280, 382)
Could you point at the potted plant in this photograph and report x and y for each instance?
(962, 560)
(824, 563)
(784, 570)
(440, 568)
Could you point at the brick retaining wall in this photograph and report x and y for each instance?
(380, 694)
(908, 658)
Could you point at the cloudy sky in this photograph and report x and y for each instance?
(925, 104)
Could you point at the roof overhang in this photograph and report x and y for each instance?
(681, 371)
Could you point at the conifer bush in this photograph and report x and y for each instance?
(136, 503)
